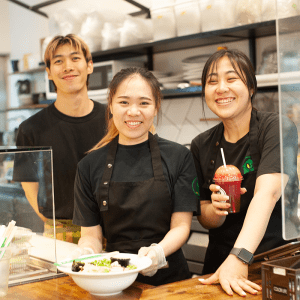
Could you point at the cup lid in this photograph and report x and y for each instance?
(228, 173)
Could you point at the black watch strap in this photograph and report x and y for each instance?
(244, 255)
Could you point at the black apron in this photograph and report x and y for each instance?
(137, 214)
(222, 239)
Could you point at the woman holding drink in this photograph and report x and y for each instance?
(250, 140)
(135, 188)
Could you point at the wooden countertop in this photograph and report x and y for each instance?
(64, 288)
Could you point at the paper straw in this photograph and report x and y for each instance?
(2, 241)
(223, 157)
(12, 234)
(2, 230)
(9, 228)
(8, 240)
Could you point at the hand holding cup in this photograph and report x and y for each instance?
(228, 178)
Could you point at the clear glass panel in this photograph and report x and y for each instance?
(33, 254)
(288, 44)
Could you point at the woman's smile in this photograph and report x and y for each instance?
(224, 100)
(133, 124)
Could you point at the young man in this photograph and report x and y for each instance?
(72, 125)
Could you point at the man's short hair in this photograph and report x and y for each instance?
(70, 39)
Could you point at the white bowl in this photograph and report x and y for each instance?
(106, 284)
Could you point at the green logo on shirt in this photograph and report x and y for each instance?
(248, 165)
(195, 186)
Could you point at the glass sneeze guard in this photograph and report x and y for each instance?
(288, 49)
(26, 173)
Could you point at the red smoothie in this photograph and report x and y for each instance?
(229, 178)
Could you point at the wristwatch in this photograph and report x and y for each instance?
(244, 255)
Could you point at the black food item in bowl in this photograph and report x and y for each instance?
(77, 266)
(124, 262)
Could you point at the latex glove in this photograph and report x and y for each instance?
(79, 252)
(157, 255)
(233, 276)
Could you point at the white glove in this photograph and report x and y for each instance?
(157, 255)
(79, 252)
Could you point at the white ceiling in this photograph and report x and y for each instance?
(106, 7)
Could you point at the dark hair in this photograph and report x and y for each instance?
(111, 131)
(72, 40)
(240, 63)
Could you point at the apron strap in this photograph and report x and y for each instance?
(156, 158)
(110, 160)
(253, 139)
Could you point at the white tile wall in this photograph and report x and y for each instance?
(180, 121)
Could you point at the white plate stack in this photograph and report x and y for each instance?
(167, 80)
(193, 66)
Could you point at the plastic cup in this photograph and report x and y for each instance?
(229, 179)
(5, 255)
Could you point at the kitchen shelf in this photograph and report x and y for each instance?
(179, 93)
(33, 106)
(30, 71)
(249, 31)
(265, 83)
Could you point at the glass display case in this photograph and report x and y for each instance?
(26, 190)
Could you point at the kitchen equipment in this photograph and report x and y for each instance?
(23, 86)
(21, 243)
(15, 65)
(281, 278)
(105, 284)
(24, 95)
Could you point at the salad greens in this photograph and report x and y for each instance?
(102, 263)
(107, 263)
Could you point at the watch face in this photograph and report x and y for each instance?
(246, 256)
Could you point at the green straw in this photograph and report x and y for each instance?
(84, 258)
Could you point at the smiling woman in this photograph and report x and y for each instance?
(133, 109)
(249, 138)
(134, 187)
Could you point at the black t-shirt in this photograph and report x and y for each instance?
(70, 139)
(238, 154)
(133, 163)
